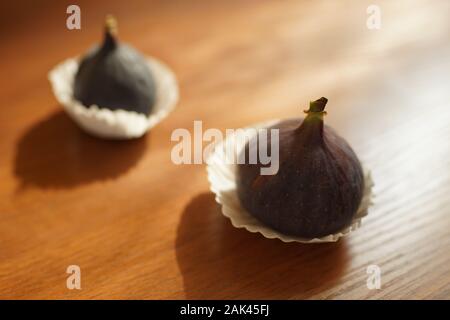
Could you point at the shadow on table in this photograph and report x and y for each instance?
(217, 260)
(55, 153)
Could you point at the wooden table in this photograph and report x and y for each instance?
(141, 227)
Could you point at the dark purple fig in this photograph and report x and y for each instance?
(115, 76)
(318, 187)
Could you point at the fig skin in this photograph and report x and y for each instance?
(115, 76)
(318, 187)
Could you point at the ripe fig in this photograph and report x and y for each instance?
(115, 76)
(318, 187)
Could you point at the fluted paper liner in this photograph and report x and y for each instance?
(222, 178)
(114, 124)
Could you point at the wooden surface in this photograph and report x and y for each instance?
(141, 227)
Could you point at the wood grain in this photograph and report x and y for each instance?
(141, 227)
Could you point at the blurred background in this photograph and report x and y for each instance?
(141, 227)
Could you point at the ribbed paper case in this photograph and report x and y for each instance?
(222, 178)
(114, 124)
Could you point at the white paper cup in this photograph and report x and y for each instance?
(114, 124)
(222, 178)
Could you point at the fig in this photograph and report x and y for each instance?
(115, 76)
(318, 187)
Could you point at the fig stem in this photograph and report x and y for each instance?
(111, 25)
(110, 40)
(317, 106)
